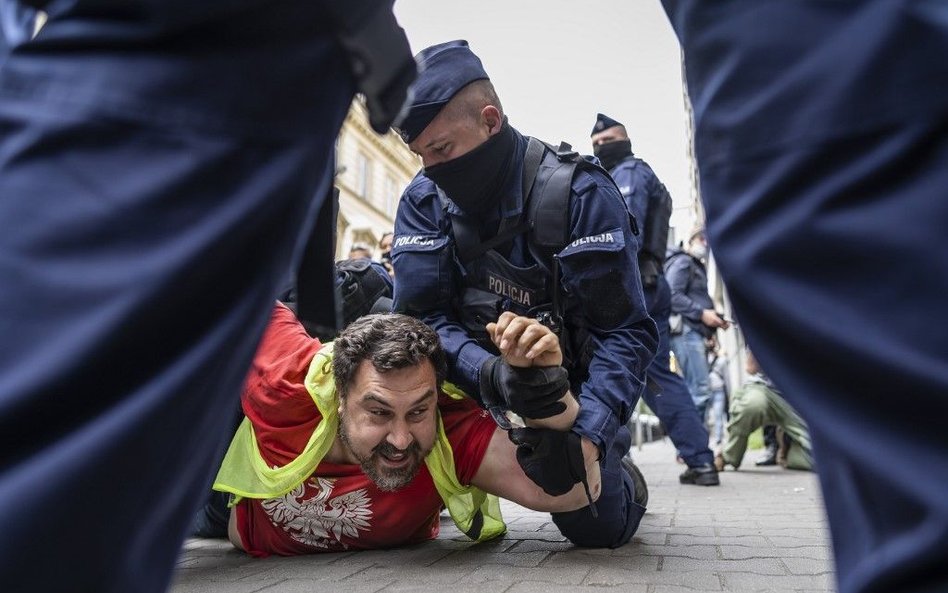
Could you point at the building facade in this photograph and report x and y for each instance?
(371, 173)
(731, 340)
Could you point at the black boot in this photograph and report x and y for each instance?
(638, 481)
(701, 475)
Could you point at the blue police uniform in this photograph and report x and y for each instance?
(600, 284)
(158, 163)
(638, 183)
(821, 133)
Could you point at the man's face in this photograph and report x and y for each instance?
(448, 137)
(385, 244)
(613, 134)
(388, 422)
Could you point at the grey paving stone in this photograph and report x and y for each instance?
(760, 530)
(808, 566)
(307, 586)
(582, 559)
(609, 577)
(744, 540)
(756, 582)
(508, 558)
(673, 589)
(528, 546)
(443, 576)
(697, 552)
(686, 529)
(742, 552)
(210, 568)
(305, 567)
(534, 587)
(186, 585)
(510, 574)
(658, 538)
(761, 566)
(403, 587)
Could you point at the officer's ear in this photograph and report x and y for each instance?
(492, 118)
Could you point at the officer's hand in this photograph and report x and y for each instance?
(552, 459)
(711, 318)
(525, 342)
(532, 392)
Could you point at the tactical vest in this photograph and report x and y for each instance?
(491, 284)
(654, 239)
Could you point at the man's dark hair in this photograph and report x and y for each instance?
(389, 341)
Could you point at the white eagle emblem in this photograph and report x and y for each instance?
(321, 520)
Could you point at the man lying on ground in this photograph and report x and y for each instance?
(358, 444)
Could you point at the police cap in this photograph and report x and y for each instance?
(603, 122)
(446, 68)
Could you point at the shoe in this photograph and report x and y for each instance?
(638, 482)
(719, 462)
(785, 442)
(768, 458)
(702, 475)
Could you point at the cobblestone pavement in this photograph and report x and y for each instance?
(763, 529)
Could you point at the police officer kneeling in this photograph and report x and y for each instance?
(498, 221)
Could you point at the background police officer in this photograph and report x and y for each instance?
(648, 200)
(476, 161)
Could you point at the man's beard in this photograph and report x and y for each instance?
(386, 479)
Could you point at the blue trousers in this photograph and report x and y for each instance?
(692, 358)
(674, 405)
(158, 163)
(619, 516)
(822, 143)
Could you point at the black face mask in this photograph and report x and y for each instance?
(611, 154)
(474, 180)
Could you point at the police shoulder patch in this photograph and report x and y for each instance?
(612, 240)
(424, 242)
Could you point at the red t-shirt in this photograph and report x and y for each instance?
(338, 508)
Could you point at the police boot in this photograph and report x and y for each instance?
(700, 475)
(638, 481)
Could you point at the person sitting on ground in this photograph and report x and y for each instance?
(756, 404)
(357, 444)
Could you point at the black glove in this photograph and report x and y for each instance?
(532, 392)
(551, 458)
(379, 57)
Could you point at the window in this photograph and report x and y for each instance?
(363, 172)
(392, 194)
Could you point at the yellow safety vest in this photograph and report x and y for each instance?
(246, 474)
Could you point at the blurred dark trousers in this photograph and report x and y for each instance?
(158, 163)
